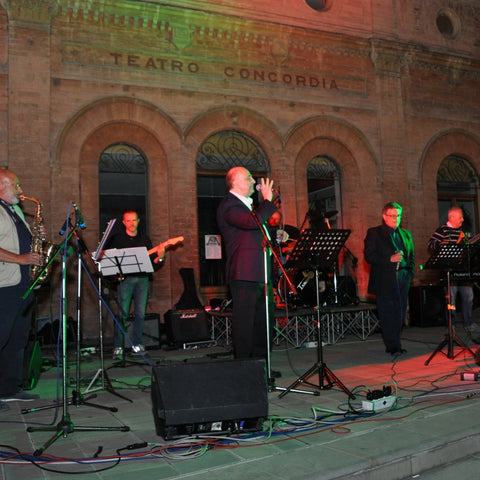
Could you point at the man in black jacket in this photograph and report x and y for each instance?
(245, 273)
(390, 251)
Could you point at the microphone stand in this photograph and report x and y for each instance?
(65, 426)
(267, 245)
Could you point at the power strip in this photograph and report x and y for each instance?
(379, 404)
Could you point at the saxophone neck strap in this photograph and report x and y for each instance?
(14, 215)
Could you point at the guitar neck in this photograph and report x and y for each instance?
(169, 242)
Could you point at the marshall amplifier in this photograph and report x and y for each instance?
(187, 326)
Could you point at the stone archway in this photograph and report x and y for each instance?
(451, 142)
(75, 177)
(360, 170)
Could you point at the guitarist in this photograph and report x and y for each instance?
(133, 286)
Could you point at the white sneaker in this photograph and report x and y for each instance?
(138, 349)
(117, 353)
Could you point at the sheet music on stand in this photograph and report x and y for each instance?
(317, 249)
(106, 234)
(449, 255)
(122, 261)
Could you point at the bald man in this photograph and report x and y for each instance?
(15, 311)
(452, 232)
(245, 266)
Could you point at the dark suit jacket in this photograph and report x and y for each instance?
(379, 248)
(242, 238)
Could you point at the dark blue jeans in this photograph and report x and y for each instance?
(466, 295)
(131, 288)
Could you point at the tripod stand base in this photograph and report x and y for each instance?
(64, 428)
(449, 340)
(325, 374)
(106, 385)
(77, 400)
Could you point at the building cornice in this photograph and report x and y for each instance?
(33, 14)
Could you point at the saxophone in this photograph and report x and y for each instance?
(40, 244)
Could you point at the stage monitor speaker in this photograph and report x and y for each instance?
(187, 326)
(427, 306)
(209, 397)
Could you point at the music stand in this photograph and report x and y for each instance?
(65, 425)
(122, 261)
(449, 256)
(318, 249)
(101, 373)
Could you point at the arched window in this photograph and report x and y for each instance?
(324, 192)
(217, 154)
(123, 184)
(457, 184)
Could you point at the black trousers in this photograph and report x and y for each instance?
(15, 323)
(249, 320)
(391, 311)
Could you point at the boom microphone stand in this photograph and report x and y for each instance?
(321, 250)
(65, 426)
(267, 245)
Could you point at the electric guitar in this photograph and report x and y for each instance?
(163, 246)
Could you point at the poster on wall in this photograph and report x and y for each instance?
(213, 247)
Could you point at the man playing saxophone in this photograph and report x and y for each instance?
(16, 258)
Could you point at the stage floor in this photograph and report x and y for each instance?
(431, 430)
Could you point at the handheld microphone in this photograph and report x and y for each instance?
(79, 217)
(258, 188)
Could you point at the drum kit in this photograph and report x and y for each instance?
(305, 278)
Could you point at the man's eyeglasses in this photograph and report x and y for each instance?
(393, 216)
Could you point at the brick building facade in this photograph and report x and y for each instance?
(387, 90)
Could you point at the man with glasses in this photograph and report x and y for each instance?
(15, 312)
(451, 232)
(390, 251)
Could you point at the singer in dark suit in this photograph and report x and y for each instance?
(245, 266)
(390, 251)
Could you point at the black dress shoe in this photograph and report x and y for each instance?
(398, 351)
(275, 374)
